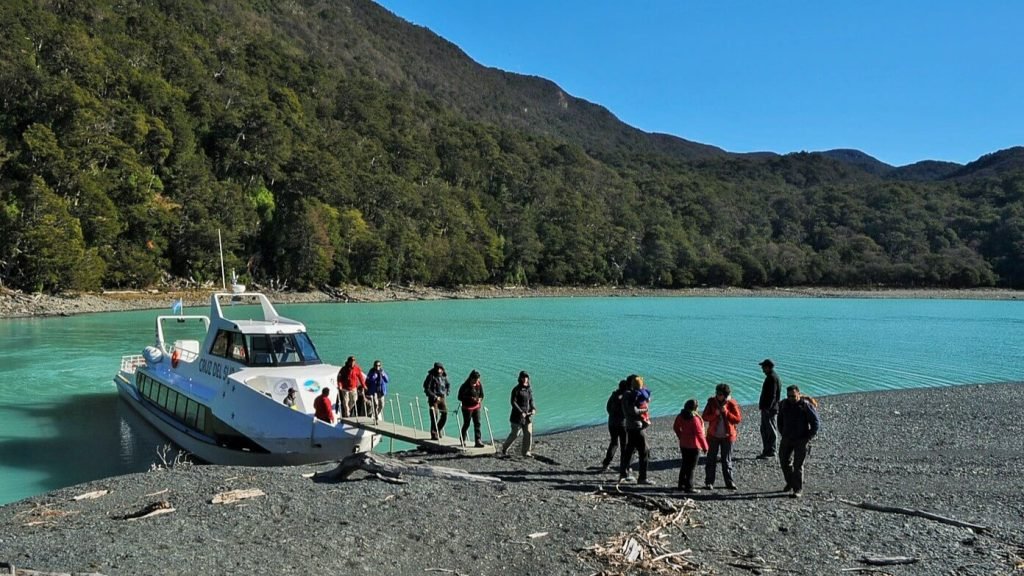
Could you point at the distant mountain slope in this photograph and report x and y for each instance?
(859, 159)
(924, 171)
(992, 165)
(367, 37)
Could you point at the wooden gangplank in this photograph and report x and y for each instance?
(418, 437)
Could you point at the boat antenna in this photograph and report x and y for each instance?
(220, 245)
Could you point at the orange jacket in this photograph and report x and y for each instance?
(690, 432)
(732, 417)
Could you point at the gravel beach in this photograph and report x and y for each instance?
(955, 452)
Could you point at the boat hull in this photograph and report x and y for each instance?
(207, 451)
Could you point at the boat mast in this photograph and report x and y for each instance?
(220, 246)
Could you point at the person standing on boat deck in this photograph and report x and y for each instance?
(521, 417)
(722, 414)
(376, 389)
(768, 404)
(616, 429)
(322, 406)
(798, 424)
(689, 429)
(633, 412)
(437, 388)
(351, 382)
(471, 396)
(289, 400)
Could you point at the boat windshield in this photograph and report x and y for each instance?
(281, 350)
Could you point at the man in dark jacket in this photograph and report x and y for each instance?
(616, 430)
(437, 387)
(636, 440)
(521, 417)
(798, 423)
(769, 407)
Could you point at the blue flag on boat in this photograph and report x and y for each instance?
(176, 307)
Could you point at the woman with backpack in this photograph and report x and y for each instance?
(798, 424)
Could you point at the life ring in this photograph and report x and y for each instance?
(175, 357)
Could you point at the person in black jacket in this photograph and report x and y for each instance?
(521, 417)
(616, 429)
(636, 440)
(798, 424)
(437, 387)
(471, 397)
(769, 407)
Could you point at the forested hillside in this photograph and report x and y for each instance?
(332, 142)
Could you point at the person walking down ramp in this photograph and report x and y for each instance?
(471, 396)
(437, 387)
(376, 389)
(521, 417)
(798, 424)
(689, 429)
(722, 414)
(616, 430)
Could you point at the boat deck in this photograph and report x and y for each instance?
(419, 437)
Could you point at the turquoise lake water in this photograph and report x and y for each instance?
(61, 421)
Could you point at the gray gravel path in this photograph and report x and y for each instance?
(956, 452)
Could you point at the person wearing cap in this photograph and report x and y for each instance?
(521, 417)
(768, 404)
(289, 400)
(437, 387)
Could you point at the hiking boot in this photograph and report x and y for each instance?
(796, 494)
(646, 482)
(478, 444)
(786, 488)
(731, 487)
(433, 437)
(627, 479)
(764, 456)
(709, 486)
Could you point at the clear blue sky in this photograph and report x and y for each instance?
(900, 80)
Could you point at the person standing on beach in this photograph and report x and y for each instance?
(798, 424)
(376, 389)
(636, 440)
(437, 387)
(322, 408)
(471, 397)
(768, 404)
(351, 382)
(616, 429)
(521, 417)
(722, 414)
(689, 429)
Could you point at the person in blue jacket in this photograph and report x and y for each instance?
(798, 425)
(376, 389)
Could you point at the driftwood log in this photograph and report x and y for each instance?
(8, 569)
(385, 467)
(918, 513)
(888, 560)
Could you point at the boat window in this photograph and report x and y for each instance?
(161, 398)
(307, 349)
(281, 350)
(220, 343)
(201, 419)
(179, 410)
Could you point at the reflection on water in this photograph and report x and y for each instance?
(61, 421)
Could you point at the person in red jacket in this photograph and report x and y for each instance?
(351, 383)
(322, 406)
(722, 414)
(689, 428)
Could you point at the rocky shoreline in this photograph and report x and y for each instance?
(954, 452)
(14, 304)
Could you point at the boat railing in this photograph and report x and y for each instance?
(420, 422)
(131, 361)
(184, 354)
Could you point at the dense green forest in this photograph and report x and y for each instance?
(131, 132)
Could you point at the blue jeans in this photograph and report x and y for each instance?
(714, 446)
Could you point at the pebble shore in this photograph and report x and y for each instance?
(14, 304)
(955, 452)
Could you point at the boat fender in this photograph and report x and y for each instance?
(153, 355)
(175, 357)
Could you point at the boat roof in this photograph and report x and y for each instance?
(270, 323)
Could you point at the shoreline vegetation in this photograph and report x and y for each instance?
(15, 304)
(919, 481)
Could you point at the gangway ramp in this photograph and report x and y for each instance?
(418, 437)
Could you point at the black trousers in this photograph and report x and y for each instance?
(473, 415)
(792, 454)
(618, 439)
(438, 416)
(686, 468)
(636, 441)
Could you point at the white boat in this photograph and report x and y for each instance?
(222, 399)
